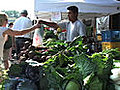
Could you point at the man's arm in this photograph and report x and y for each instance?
(50, 24)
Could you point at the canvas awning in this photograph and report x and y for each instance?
(85, 6)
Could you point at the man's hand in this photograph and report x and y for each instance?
(50, 24)
(38, 25)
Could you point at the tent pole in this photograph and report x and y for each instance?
(94, 28)
(94, 34)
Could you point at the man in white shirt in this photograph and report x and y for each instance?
(23, 22)
(74, 27)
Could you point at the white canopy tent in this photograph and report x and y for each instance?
(87, 6)
(90, 7)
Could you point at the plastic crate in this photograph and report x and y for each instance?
(110, 45)
(110, 36)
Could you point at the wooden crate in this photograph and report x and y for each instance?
(110, 45)
(99, 37)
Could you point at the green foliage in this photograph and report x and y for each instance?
(50, 34)
(72, 85)
(61, 66)
(3, 77)
(12, 13)
(100, 80)
(114, 53)
(74, 63)
(95, 84)
(70, 61)
(84, 65)
(17, 70)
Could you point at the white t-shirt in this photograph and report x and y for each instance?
(2, 40)
(73, 29)
(22, 23)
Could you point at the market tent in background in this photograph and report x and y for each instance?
(88, 8)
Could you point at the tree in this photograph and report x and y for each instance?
(12, 13)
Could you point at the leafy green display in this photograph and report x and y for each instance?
(70, 61)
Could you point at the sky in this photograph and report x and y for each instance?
(18, 5)
(22, 4)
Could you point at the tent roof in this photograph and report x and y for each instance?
(91, 7)
(87, 6)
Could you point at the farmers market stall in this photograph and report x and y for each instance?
(58, 65)
(89, 10)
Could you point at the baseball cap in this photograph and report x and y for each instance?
(24, 12)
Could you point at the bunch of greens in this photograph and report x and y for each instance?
(73, 63)
(67, 65)
(70, 64)
(100, 79)
(3, 77)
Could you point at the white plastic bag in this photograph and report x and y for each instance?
(38, 37)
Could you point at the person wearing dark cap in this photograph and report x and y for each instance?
(22, 22)
(73, 27)
(24, 12)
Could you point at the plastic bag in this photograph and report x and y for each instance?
(38, 37)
